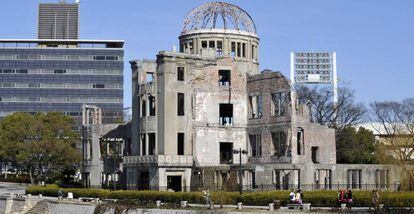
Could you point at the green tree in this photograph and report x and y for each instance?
(355, 147)
(43, 145)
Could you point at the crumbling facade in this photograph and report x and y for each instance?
(193, 109)
(204, 116)
(103, 146)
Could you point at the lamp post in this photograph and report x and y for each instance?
(240, 152)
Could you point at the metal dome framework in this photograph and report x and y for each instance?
(207, 15)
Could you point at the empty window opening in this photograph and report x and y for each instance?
(253, 179)
(224, 77)
(180, 143)
(180, 73)
(381, 178)
(143, 181)
(300, 142)
(151, 103)
(204, 44)
(279, 104)
(219, 48)
(323, 179)
(143, 108)
(226, 114)
(226, 153)
(233, 49)
(238, 49)
(244, 50)
(315, 154)
(255, 145)
(279, 143)
(174, 183)
(180, 104)
(143, 145)
(253, 55)
(182, 48)
(286, 179)
(151, 144)
(354, 178)
(191, 46)
(149, 77)
(255, 106)
(212, 44)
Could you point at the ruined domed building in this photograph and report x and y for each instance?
(198, 109)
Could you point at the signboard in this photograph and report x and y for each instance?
(313, 67)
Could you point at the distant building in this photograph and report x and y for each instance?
(58, 20)
(58, 72)
(61, 75)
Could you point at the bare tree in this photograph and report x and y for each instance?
(320, 101)
(395, 123)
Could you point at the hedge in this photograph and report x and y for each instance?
(21, 179)
(316, 198)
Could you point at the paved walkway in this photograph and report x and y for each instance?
(14, 188)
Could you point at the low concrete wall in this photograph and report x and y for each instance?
(71, 208)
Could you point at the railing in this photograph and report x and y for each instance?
(179, 160)
(272, 187)
(254, 188)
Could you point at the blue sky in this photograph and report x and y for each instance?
(373, 38)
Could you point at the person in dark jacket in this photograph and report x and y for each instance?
(348, 197)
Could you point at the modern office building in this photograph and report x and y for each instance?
(59, 72)
(58, 20)
(61, 75)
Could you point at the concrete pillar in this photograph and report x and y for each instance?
(271, 206)
(183, 204)
(239, 205)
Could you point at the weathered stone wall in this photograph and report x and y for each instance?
(265, 85)
(93, 163)
(315, 135)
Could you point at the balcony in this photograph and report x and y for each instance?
(160, 160)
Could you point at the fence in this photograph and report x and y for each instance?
(266, 187)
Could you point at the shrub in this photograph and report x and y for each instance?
(316, 198)
(21, 179)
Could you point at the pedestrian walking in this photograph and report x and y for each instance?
(375, 199)
(341, 197)
(292, 196)
(60, 194)
(348, 197)
(206, 195)
(298, 198)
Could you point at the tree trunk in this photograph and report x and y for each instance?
(31, 177)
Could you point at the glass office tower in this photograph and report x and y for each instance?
(61, 75)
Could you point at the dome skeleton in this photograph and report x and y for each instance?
(207, 15)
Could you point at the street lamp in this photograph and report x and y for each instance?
(240, 152)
